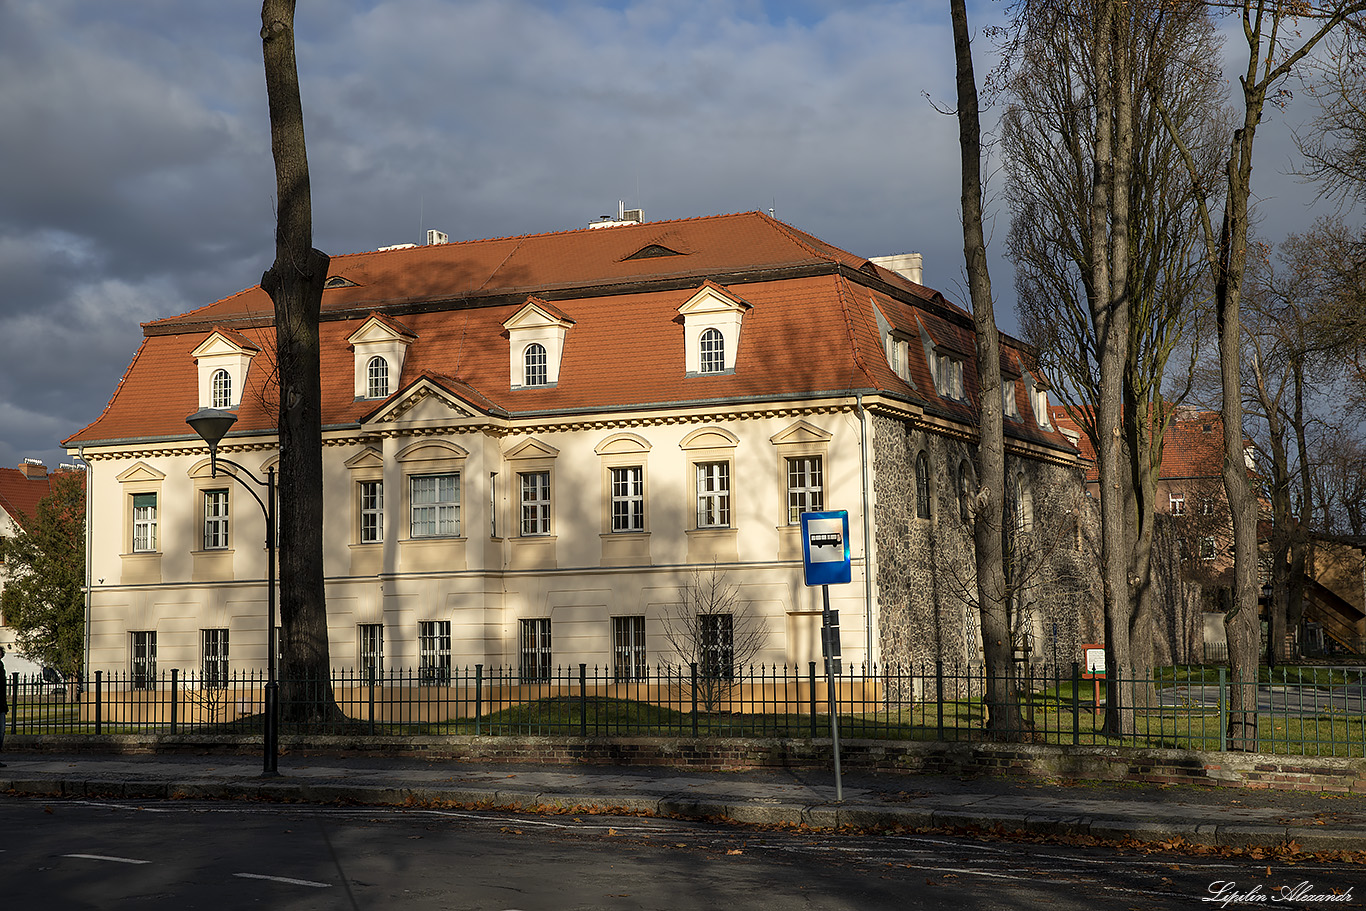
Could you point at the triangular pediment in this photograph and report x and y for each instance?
(532, 449)
(801, 432)
(366, 458)
(220, 343)
(423, 401)
(712, 298)
(140, 472)
(377, 329)
(537, 314)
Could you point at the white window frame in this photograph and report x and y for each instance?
(221, 392)
(805, 486)
(216, 519)
(712, 351)
(535, 501)
(1209, 548)
(145, 523)
(628, 498)
(535, 366)
(948, 375)
(377, 377)
(713, 493)
(371, 495)
(1177, 503)
(434, 505)
(1009, 407)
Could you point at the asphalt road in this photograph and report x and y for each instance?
(1293, 701)
(71, 854)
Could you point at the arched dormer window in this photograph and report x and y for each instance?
(377, 378)
(222, 389)
(713, 348)
(922, 486)
(534, 365)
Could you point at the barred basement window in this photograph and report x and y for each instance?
(434, 652)
(718, 646)
(370, 642)
(144, 659)
(214, 664)
(628, 648)
(535, 649)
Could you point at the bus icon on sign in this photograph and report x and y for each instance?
(827, 540)
(825, 547)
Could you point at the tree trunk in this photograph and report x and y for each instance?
(1003, 719)
(295, 284)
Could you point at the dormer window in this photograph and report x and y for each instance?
(533, 365)
(222, 389)
(713, 348)
(222, 360)
(948, 375)
(1008, 405)
(536, 335)
(712, 319)
(381, 345)
(377, 378)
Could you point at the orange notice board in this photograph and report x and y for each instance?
(1093, 660)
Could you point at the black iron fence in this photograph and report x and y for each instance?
(1307, 711)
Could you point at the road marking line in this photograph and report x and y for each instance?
(117, 860)
(284, 879)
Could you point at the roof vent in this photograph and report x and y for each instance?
(435, 238)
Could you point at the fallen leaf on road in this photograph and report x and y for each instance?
(735, 851)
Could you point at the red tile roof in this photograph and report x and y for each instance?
(20, 494)
(812, 329)
(1192, 448)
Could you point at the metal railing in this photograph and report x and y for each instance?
(1305, 711)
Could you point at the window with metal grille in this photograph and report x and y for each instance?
(1208, 549)
(144, 659)
(214, 658)
(1177, 502)
(377, 378)
(370, 641)
(804, 487)
(922, 486)
(535, 649)
(215, 519)
(222, 389)
(713, 495)
(144, 522)
(628, 499)
(371, 512)
(534, 365)
(435, 505)
(434, 652)
(628, 648)
(535, 486)
(713, 349)
(717, 646)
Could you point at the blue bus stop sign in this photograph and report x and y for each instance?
(825, 547)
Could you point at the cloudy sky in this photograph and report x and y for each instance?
(138, 183)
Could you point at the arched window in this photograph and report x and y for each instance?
(922, 486)
(377, 378)
(533, 365)
(222, 389)
(964, 490)
(713, 352)
(1022, 500)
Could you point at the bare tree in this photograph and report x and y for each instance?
(295, 284)
(1279, 34)
(1003, 707)
(714, 631)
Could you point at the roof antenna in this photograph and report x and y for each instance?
(772, 208)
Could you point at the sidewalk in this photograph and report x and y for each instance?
(1225, 817)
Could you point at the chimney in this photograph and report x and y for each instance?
(907, 265)
(33, 468)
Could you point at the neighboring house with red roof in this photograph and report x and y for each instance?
(21, 489)
(531, 442)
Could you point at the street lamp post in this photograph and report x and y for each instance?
(212, 424)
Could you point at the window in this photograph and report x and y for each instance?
(377, 378)
(493, 504)
(713, 495)
(628, 499)
(717, 646)
(628, 648)
(964, 490)
(434, 653)
(948, 375)
(144, 663)
(435, 505)
(535, 503)
(1008, 406)
(804, 488)
(1208, 550)
(1020, 507)
(215, 519)
(371, 512)
(1207, 506)
(922, 486)
(144, 523)
(534, 365)
(713, 352)
(1178, 503)
(370, 642)
(214, 662)
(535, 649)
(222, 389)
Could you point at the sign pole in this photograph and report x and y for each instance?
(830, 681)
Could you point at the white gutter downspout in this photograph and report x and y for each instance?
(870, 657)
(89, 526)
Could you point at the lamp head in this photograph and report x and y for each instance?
(212, 424)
